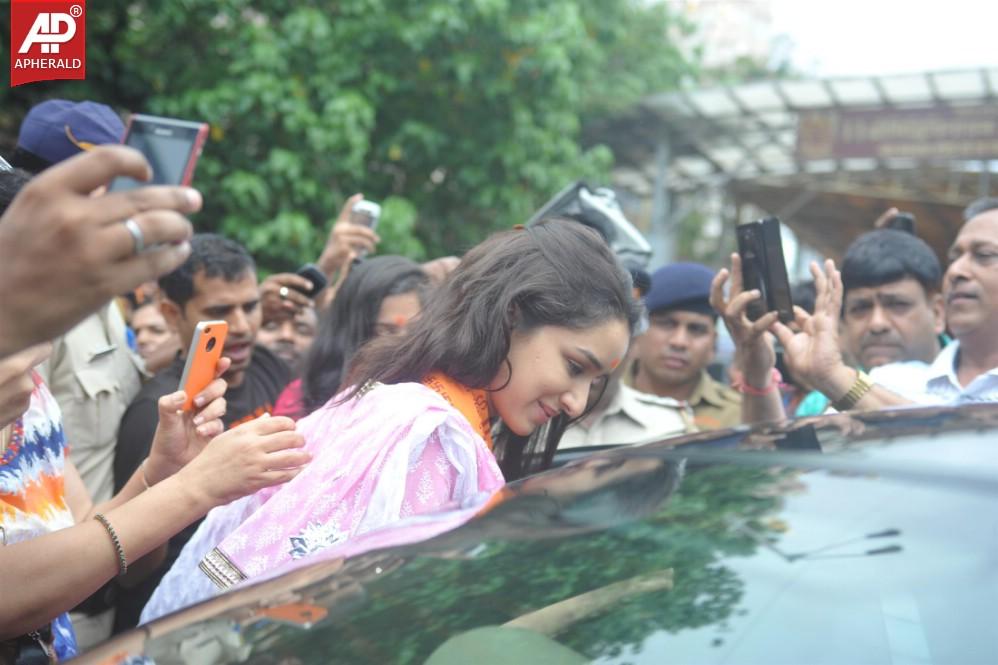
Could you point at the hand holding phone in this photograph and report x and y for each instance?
(312, 273)
(171, 147)
(902, 221)
(202, 358)
(764, 269)
(366, 213)
(283, 294)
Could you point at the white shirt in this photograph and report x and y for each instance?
(906, 378)
(937, 383)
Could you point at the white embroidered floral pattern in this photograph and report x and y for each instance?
(314, 537)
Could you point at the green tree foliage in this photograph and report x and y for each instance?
(461, 118)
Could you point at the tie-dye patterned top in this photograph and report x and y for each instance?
(32, 487)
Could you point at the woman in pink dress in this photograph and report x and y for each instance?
(521, 330)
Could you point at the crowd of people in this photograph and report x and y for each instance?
(399, 390)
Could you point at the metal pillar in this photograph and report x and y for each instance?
(661, 236)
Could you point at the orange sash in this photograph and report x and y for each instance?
(473, 404)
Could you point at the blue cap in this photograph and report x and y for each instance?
(684, 286)
(57, 129)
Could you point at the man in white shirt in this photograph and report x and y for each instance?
(943, 382)
(966, 370)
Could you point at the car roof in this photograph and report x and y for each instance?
(628, 495)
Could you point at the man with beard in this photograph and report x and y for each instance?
(673, 354)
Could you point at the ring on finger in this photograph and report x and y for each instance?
(138, 239)
(283, 292)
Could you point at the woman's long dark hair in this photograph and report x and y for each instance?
(555, 273)
(350, 321)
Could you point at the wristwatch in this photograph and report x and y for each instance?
(860, 387)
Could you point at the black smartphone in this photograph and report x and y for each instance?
(311, 272)
(171, 146)
(903, 221)
(765, 269)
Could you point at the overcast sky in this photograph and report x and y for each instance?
(859, 37)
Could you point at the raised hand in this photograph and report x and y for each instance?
(66, 253)
(754, 353)
(881, 222)
(346, 238)
(281, 296)
(813, 353)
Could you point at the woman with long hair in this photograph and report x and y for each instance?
(521, 330)
(378, 297)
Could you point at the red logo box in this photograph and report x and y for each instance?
(48, 40)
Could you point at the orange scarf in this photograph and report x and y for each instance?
(472, 403)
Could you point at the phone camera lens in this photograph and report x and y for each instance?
(210, 345)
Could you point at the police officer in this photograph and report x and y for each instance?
(672, 356)
(625, 416)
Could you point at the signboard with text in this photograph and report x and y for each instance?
(925, 133)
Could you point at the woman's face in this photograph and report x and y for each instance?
(395, 313)
(553, 369)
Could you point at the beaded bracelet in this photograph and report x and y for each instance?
(122, 561)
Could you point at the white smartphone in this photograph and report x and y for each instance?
(366, 213)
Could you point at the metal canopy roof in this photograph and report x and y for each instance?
(745, 139)
(750, 131)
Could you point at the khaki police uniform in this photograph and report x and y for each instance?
(94, 376)
(715, 405)
(630, 417)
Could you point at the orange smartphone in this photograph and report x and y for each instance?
(202, 357)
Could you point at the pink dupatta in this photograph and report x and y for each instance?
(391, 452)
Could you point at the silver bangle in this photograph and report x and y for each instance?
(119, 550)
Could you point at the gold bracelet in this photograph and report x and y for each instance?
(862, 385)
(119, 550)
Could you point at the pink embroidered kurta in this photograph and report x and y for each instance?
(396, 451)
